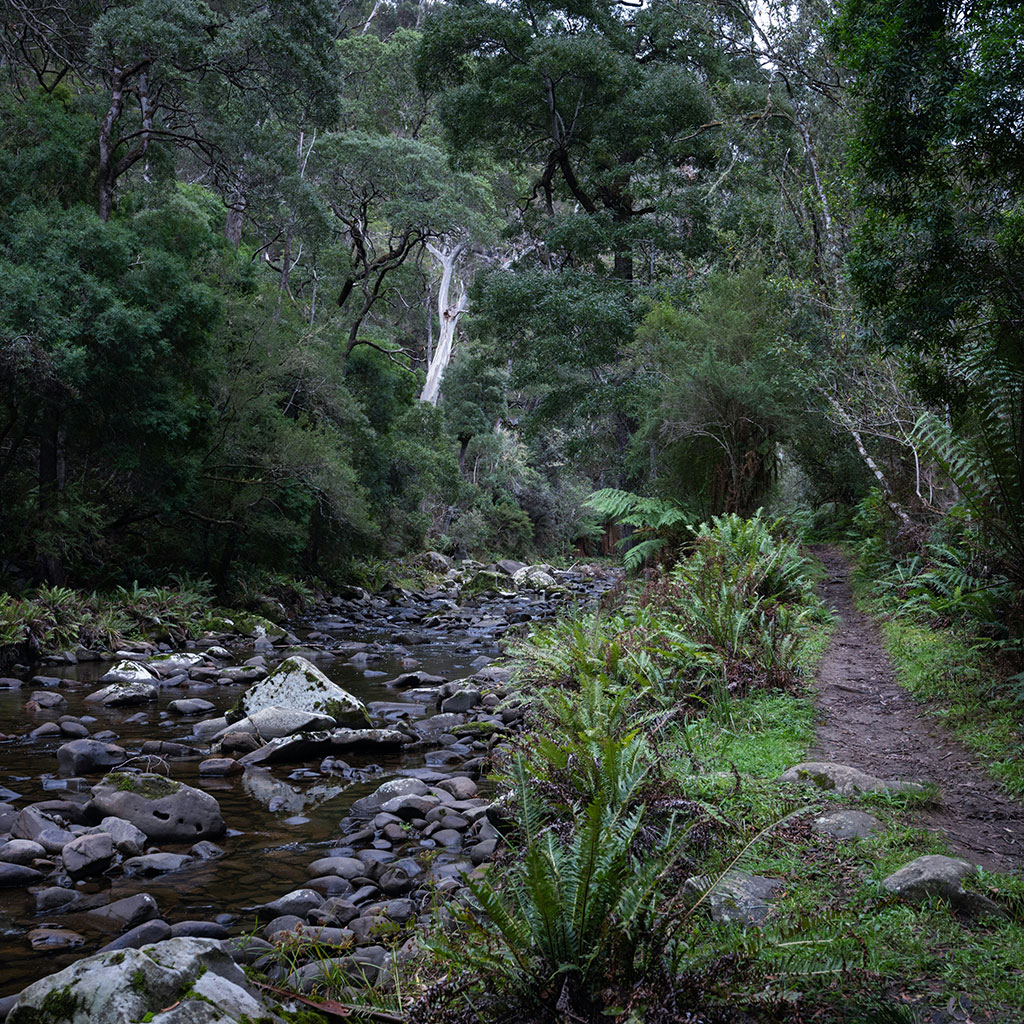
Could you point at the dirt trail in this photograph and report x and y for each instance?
(872, 723)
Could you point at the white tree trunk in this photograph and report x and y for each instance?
(448, 314)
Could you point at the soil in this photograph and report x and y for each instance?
(870, 722)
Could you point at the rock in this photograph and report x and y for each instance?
(846, 824)
(55, 897)
(484, 582)
(125, 913)
(54, 938)
(431, 728)
(150, 864)
(47, 699)
(199, 930)
(460, 787)
(942, 877)
(535, 577)
(205, 850)
(435, 560)
(17, 874)
(180, 980)
(343, 867)
(88, 855)
(399, 877)
(74, 730)
(843, 779)
(209, 728)
(128, 839)
(299, 685)
(80, 757)
(140, 935)
(21, 851)
(127, 671)
(509, 566)
(298, 902)
(300, 747)
(162, 808)
(171, 664)
(220, 766)
(54, 839)
(368, 739)
(191, 706)
(395, 787)
(409, 806)
(271, 723)
(738, 897)
(461, 700)
(124, 694)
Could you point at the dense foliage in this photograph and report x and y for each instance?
(693, 260)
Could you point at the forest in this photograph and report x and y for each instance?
(315, 307)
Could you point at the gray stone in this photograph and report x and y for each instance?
(17, 874)
(936, 876)
(125, 913)
(410, 806)
(82, 756)
(117, 695)
(199, 930)
(431, 728)
(461, 700)
(88, 855)
(127, 671)
(141, 935)
(460, 787)
(298, 902)
(205, 850)
(343, 867)
(393, 788)
(172, 664)
(54, 839)
(738, 897)
(75, 730)
(180, 980)
(191, 706)
(150, 864)
(128, 839)
(843, 779)
(299, 685)
(21, 851)
(847, 824)
(271, 723)
(54, 897)
(399, 878)
(165, 810)
(220, 766)
(47, 698)
(54, 938)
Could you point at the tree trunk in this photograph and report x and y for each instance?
(51, 484)
(448, 319)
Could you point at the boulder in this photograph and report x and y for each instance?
(127, 671)
(124, 914)
(88, 855)
(843, 779)
(125, 694)
(162, 808)
(173, 664)
(271, 723)
(846, 824)
(460, 701)
(128, 839)
(20, 851)
(738, 897)
(394, 788)
(17, 874)
(299, 685)
(176, 981)
(942, 877)
(150, 864)
(191, 706)
(509, 566)
(80, 757)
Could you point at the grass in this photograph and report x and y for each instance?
(958, 684)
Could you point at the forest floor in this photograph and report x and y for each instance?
(872, 723)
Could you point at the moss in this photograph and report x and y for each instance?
(60, 1004)
(117, 958)
(146, 784)
(139, 981)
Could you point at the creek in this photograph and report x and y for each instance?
(279, 818)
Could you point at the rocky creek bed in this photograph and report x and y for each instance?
(226, 792)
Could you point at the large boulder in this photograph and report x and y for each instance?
(173, 982)
(167, 811)
(299, 685)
